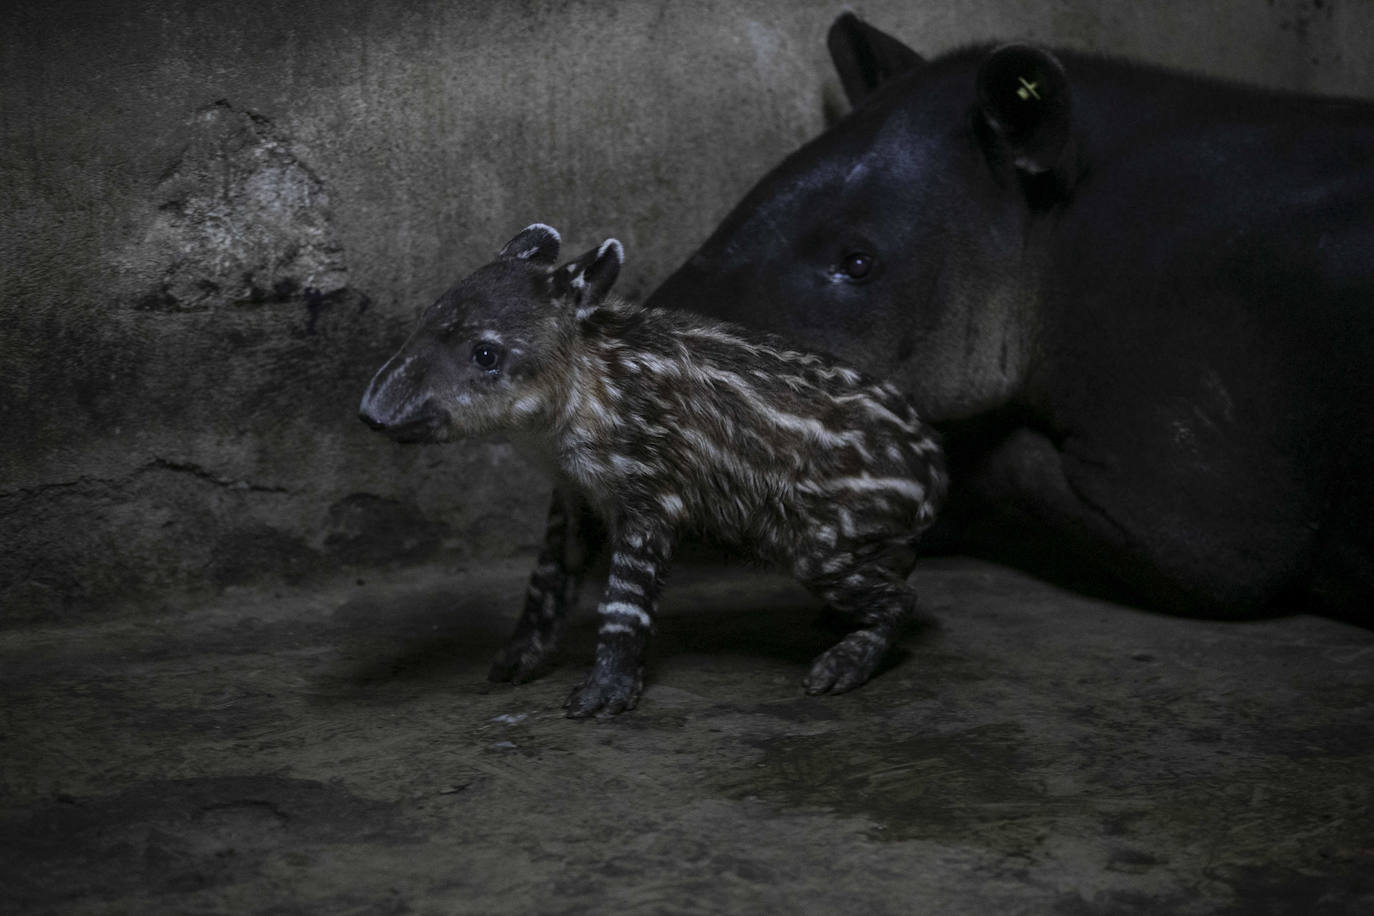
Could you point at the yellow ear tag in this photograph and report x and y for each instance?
(1027, 90)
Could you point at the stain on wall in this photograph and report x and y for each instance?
(240, 220)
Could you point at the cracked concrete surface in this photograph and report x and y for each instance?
(337, 749)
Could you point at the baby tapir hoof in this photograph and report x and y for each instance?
(849, 663)
(606, 692)
(519, 662)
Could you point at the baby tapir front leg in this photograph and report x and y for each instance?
(639, 562)
(573, 537)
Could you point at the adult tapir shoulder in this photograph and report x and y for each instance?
(1140, 303)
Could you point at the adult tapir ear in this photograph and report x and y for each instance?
(865, 57)
(537, 242)
(1024, 98)
(589, 278)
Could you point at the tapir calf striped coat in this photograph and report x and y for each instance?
(662, 423)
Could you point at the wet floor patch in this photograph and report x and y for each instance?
(965, 784)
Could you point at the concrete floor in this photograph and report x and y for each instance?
(337, 750)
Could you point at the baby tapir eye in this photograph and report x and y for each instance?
(486, 355)
(856, 265)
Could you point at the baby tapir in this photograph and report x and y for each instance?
(659, 423)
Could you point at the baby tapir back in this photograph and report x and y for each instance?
(662, 422)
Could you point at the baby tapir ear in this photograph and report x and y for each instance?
(589, 278)
(1024, 97)
(537, 242)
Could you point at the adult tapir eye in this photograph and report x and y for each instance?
(486, 355)
(856, 265)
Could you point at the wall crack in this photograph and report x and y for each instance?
(157, 464)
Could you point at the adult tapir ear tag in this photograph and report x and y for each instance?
(589, 278)
(537, 242)
(1024, 98)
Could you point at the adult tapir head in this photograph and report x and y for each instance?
(903, 238)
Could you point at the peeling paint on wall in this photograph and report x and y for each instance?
(240, 219)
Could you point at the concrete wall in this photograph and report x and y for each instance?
(217, 219)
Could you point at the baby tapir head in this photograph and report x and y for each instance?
(492, 353)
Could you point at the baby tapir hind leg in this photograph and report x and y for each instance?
(869, 588)
(573, 537)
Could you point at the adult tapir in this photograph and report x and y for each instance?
(1139, 304)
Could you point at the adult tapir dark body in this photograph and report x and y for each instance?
(1139, 304)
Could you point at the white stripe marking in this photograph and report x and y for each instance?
(905, 487)
(615, 583)
(625, 609)
(625, 559)
(529, 404)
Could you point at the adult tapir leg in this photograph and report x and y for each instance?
(573, 537)
(1012, 501)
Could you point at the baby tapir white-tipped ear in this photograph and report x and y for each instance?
(536, 242)
(589, 278)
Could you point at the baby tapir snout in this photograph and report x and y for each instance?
(401, 402)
